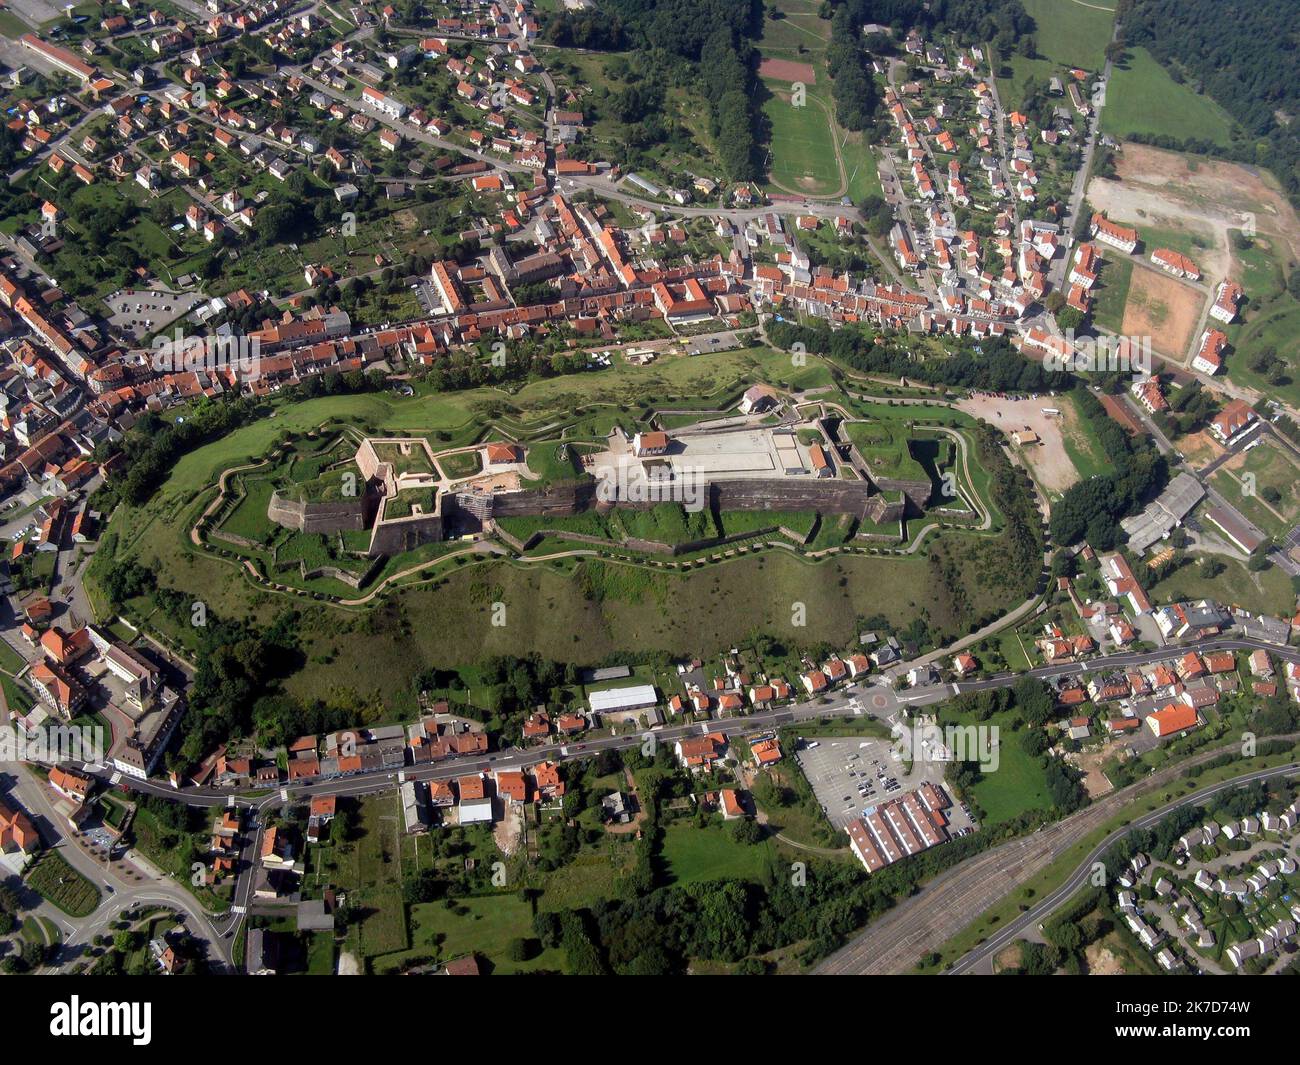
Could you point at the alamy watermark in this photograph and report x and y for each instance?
(1101, 354)
(926, 741)
(52, 744)
(633, 484)
(179, 353)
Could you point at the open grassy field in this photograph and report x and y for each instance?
(1270, 319)
(1017, 783)
(698, 854)
(1081, 442)
(1250, 476)
(480, 925)
(883, 444)
(1143, 98)
(1274, 325)
(588, 611)
(1111, 293)
(1071, 33)
(592, 875)
(1268, 592)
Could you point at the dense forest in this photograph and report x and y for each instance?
(997, 366)
(1244, 57)
(709, 43)
(970, 21)
(1092, 509)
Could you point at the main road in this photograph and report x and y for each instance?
(894, 943)
(980, 960)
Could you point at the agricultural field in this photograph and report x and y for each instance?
(1070, 33)
(1164, 309)
(1142, 98)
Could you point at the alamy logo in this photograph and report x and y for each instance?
(52, 744)
(927, 741)
(1103, 354)
(179, 353)
(120, 1019)
(672, 485)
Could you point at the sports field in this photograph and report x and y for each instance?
(810, 154)
(803, 149)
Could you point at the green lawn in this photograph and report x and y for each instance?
(883, 444)
(57, 882)
(249, 519)
(476, 925)
(18, 697)
(1071, 33)
(1143, 98)
(802, 145)
(1016, 785)
(698, 854)
(1111, 293)
(741, 521)
(461, 464)
(10, 660)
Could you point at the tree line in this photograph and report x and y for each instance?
(1246, 60)
(1092, 509)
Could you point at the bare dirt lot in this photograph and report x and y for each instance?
(1200, 448)
(787, 70)
(1048, 460)
(1095, 781)
(1164, 309)
(1102, 961)
(1200, 196)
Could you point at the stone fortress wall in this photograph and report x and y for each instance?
(343, 515)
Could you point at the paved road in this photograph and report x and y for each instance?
(1059, 269)
(122, 883)
(951, 901)
(874, 698)
(980, 960)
